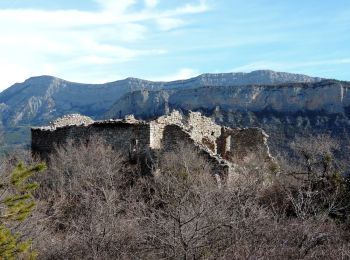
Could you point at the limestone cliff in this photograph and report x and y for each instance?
(327, 96)
(283, 110)
(39, 100)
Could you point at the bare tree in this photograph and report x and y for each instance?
(94, 205)
(82, 203)
(316, 154)
(185, 215)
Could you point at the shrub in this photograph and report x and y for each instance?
(94, 205)
(17, 202)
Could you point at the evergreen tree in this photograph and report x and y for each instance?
(16, 204)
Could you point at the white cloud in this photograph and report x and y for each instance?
(167, 24)
(172, 19)
(12, 73)
(32, 38)
(289, 66)
(107, 54)
(200, 7)
(184, 73)
(151, 3)
(115, 6)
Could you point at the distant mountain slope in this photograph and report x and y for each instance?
(261, 77)
(284, 111)
(41, 99)
(330, 96)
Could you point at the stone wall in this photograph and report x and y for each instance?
(201, 129)
(223, 147)
(236, 145)
(130, 139)
(174, 136)
(72, 119)
(157, 127)
(244, 146)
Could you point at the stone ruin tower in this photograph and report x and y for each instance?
(225, 148)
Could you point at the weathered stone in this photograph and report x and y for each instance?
(223, 147)
(71, 119)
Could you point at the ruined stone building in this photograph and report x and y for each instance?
(225, 148)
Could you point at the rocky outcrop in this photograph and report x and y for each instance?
(284, 111)
(39, 100)
(328, 96)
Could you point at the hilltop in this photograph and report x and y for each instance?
(39, 100)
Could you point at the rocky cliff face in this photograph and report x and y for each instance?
(42, 98)
(327, 96)
(283, 110)
(262, 77)
(39, 100)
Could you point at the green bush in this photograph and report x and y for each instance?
(17, 202)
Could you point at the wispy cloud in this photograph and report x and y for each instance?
(289, 66)
(102, 40)
(151, 3)
(183, 73)
(116, 7)
(167, 24)
(190, 8)
(67, 39)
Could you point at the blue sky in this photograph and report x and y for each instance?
(105, 40)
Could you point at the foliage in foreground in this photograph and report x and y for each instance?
(93, 205)
(17, 203)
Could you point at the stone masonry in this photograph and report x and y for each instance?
(225, 148)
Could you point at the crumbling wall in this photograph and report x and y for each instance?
(131, 139)
(45, 140)
(71, 119)
(243, 145)
(174, 136)
(221, 146)
(157, 127)
(233, 144)
(201, 129)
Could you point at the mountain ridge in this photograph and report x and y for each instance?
(49, 94)
(329, 95)
(295, 78)
(41, 99)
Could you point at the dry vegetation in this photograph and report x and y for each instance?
(93, 205)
